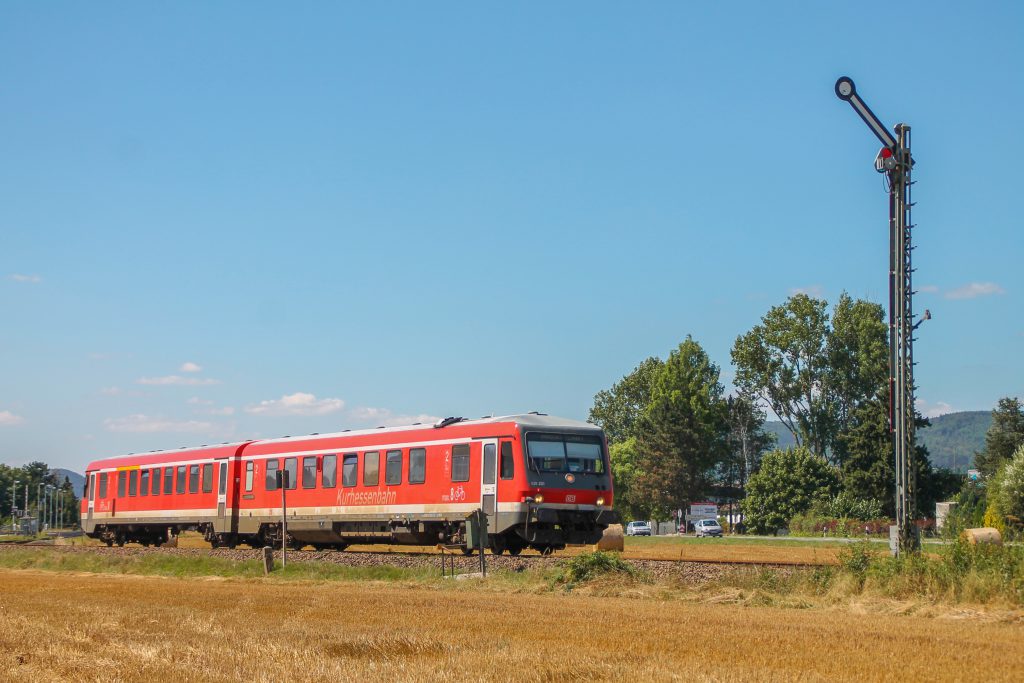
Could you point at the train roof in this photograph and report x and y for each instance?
(534, 420)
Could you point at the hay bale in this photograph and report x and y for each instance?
(984, 535)
(613, 539)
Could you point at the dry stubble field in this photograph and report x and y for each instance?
(77, 627)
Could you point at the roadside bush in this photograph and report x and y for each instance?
(589, 566)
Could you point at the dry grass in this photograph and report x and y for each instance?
(89, 628)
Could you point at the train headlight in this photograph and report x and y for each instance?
(539, 498)
(600, 501)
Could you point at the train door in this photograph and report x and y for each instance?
(92, 498)
(222, 491)
(488, 480)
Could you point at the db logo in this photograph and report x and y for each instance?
(570, 499)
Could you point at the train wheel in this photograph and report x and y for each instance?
(514, 550)
(546, 550)
(498, 545)
(109, 542)
(467, 551)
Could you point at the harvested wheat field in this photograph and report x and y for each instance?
(129, 628)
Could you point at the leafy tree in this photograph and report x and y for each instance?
(788, 483)
(624, 464)
(682, 436)
(618, 409)
(812, 375)
(1004, 436)
(747, 441)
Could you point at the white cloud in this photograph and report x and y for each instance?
(815, 291)
(178, 380)
(928, 289)
(299, 403)
(226, 410)
(9, 419)
(30, 279)
(383, 417)
(147, 424)
(933, 409)
(190, 367)
(975, 289)
(110, 391)
(196, 401)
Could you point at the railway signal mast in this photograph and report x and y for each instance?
(895, 162)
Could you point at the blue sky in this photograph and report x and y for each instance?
(233, 220)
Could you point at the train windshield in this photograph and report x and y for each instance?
(565, 453)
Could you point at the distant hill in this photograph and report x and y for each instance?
(76, 479)
(952, 439)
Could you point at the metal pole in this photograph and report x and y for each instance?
(284, 519)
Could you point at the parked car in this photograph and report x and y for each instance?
(707, 527)
(638, 529)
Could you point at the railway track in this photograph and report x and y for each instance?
(687, 571)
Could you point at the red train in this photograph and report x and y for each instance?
(543, 482)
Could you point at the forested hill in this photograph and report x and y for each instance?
(952, 439)
(76, 479)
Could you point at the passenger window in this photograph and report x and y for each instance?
(393, 471)
(309, 472)
(193, 478)
(122, 481)
(508, 463)
(144, 483)
(417, 465)
(223, 477)
(349, 469)
(291, 468)
(168, 481)
(207, 477)
(460, 462)
(250, 468)
(371, 468)
(330, 473)
(103, 484)
(133, 482)
(271, 478)
(180, 488)
(156, 481)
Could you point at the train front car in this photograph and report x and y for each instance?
(566, 497)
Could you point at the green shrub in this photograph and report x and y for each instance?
(591, 565)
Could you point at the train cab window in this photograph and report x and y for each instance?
(208, 477)
(270, 482)
(460, 462)
(180, 488)
(144, 483)
(122, 483)
(508, 463)
(103, 484)
(155, 480)
(371, 468)
(250, 470)
(193, 478)
(309, 472)
(133, 482)
(393, 468)
(417, 465)
(291, 468)
(330, 474)
(168, 481)
(350, 469)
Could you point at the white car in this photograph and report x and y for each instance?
(707, 527)
(638, 529)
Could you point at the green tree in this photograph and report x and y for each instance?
(1004, 436)
(788, 483)
(814, 375)
(624, 463)
(618, 409)
(747, 441)
(682, 436)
